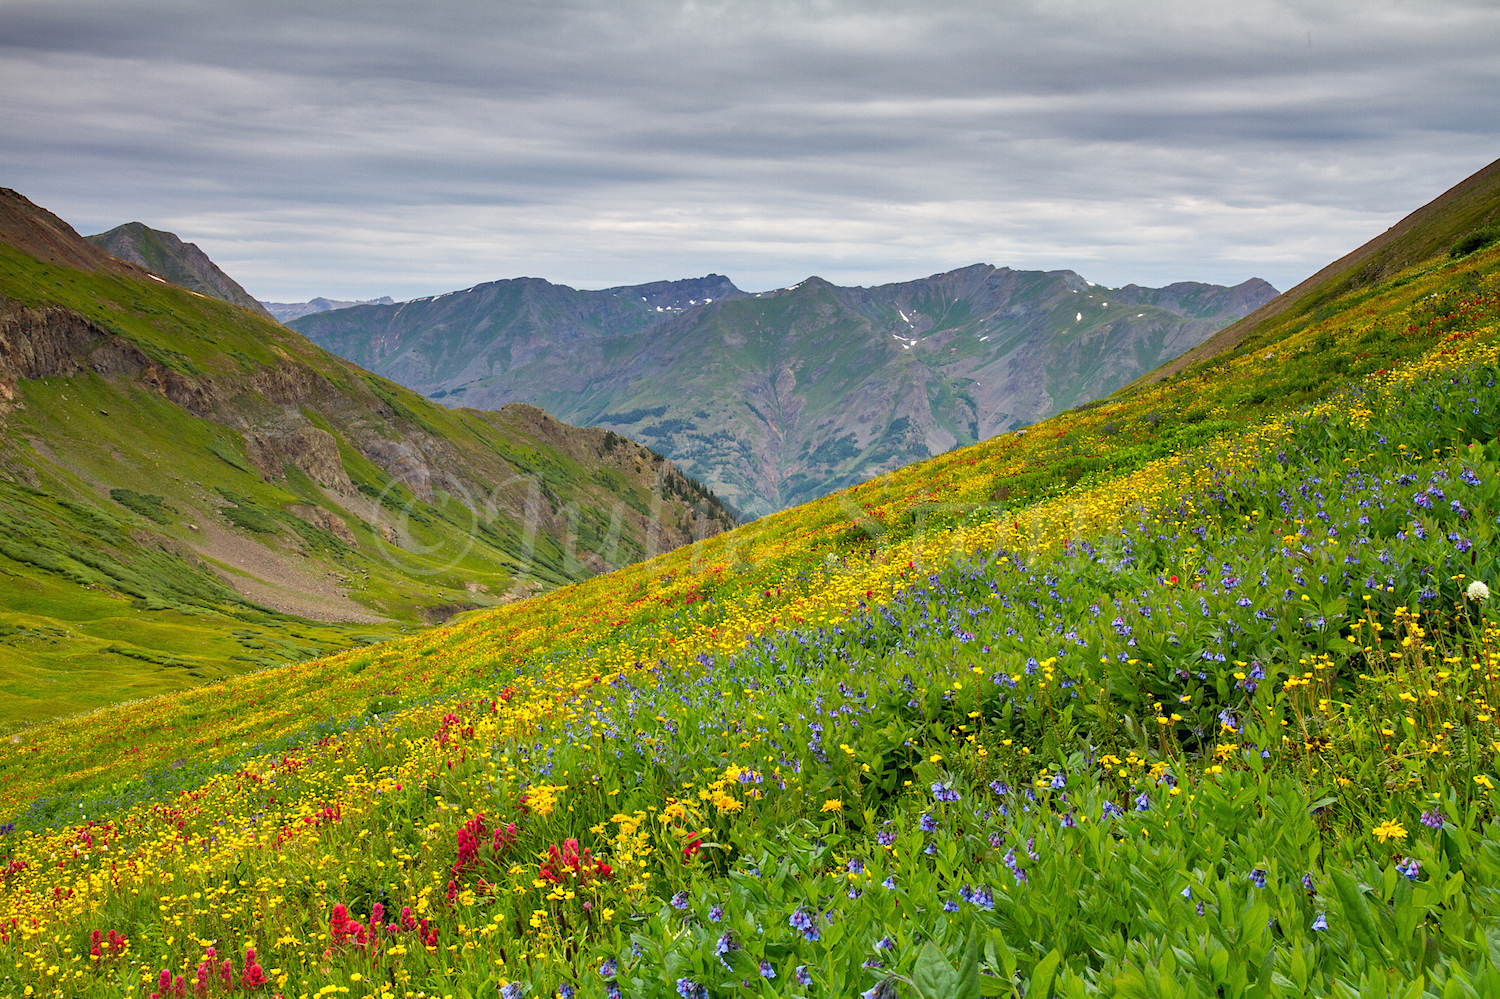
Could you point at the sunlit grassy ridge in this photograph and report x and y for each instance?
(1186, 693)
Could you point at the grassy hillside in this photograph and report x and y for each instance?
(1463, 219)
(1191, 692)
(189, 490)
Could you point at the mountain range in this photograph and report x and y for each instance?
(189, 488)
(782, 396)
(285, 312)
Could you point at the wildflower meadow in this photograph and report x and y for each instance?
(1207, 713)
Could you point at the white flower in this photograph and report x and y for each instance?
(1478, 591)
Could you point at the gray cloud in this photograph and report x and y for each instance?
(358, 149)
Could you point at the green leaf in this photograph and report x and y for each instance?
(990, 987)
(1357, 910)
(968, 971)
(1415, 989)
(933, 976)
(1000, 956)
(1042, 975)
(1458, 987)
(1373, 987)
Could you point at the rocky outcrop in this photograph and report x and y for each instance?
(314, 451)
(53, 342)
(323, 520)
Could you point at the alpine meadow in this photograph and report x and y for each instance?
(1190, 691)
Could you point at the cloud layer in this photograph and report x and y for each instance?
(361, 149)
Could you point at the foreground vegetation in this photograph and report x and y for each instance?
(1176, 695)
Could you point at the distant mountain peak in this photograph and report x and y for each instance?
(285, 312)
(165, 254)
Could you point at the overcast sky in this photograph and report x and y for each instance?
(362, 149)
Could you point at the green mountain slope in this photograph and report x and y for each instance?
(185, 485)
(163, 253)
(448, 341)
(1470, 210)
(779, 397)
